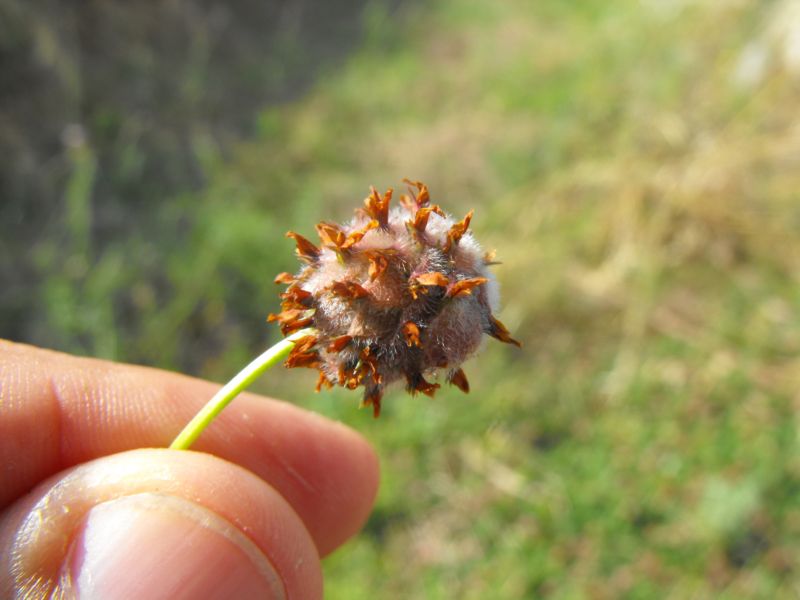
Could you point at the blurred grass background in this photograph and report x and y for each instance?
(636, 166)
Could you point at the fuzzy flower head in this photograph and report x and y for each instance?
(397, 294)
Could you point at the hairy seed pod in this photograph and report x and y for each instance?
(397, 294)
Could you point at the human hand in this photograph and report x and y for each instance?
(86, 514)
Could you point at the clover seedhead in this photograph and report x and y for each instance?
(396, 294)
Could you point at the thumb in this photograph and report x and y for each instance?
(157, 524)
(152, 545)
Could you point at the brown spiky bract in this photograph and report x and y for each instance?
(394, 295)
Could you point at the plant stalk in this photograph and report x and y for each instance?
(234, 387)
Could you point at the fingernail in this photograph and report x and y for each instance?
(155, 546)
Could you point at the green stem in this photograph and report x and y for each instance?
(230, 390)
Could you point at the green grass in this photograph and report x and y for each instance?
(643, 198)
(644, 443)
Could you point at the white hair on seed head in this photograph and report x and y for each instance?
(393, 295)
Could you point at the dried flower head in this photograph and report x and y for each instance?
(396, 294)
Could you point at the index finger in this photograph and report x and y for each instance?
(57, 411)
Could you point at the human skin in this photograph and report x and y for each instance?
(95, 506)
